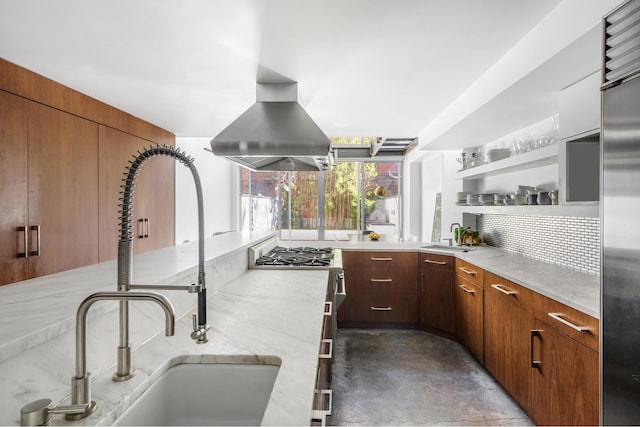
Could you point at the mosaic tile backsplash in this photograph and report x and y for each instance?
(572, 242)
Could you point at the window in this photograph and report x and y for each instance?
(353, 196)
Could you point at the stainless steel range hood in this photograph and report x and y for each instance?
(274, 134)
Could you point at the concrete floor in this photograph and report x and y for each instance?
(409, 377)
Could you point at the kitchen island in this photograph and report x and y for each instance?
(251, 313)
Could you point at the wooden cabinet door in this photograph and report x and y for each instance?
(437, 297)
(507, 345)
(153, 199)
(13, 188)
(63, 190)
(469, 316)
(566, 380)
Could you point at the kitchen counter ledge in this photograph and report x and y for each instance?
(573, 288)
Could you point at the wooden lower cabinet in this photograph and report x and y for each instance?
(552, 375)
(469, 316)
(382, 289)
(507, 329)
(437, 295)
(565, 383)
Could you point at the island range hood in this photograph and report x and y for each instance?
(275, 134)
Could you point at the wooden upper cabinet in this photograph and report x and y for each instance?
(153, 201)
(13, 188)
(63, 196)
(61, 165)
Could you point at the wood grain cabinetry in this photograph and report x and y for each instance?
(153, 206)
(382, 289)
(507, 326)
(14, 213)
(437, 296)
(59, 186)
(565, 380)
(543, 353)
(49, 183)
(470, 315)
(63, 183)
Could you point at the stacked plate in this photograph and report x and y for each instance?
(486, 199)
(473, 200)
(498, 199)
(461, 199)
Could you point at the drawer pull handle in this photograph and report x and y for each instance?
(381, 259)
(329, 394)
(429, 261)
(381, 280)
(534, 333)
(329, 346)
(381, 309)
(328, 308)
(558, 317)
(467, 290)
(504, 290)
(466, 270)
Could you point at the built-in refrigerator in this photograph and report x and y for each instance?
(620, 218)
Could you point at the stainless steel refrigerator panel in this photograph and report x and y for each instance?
(620, 317)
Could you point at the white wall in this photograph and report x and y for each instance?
(438, 168)
(220, 188)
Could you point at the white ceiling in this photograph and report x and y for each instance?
(364, 67)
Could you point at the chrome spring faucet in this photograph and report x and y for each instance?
(125, 369)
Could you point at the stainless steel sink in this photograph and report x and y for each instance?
(230, 393)
(448, 248)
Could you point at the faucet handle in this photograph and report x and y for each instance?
(39, 412)
(199, 333)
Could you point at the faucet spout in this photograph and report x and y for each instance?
(80, 383)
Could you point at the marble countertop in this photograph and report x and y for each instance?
(252, 313)
(571, 287)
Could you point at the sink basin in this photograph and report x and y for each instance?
(229, 393)
(448, 248)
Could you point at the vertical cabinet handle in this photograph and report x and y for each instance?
(141, 228)
(146, 229)
(35, 228)
(25, 242)
(535, 333)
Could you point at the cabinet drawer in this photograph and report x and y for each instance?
(569, 321)
(377, 307)
(383, 279)
(379, 258)
(443, 262)
(510, 292)
(470, 272)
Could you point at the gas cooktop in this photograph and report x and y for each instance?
(296, 257)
